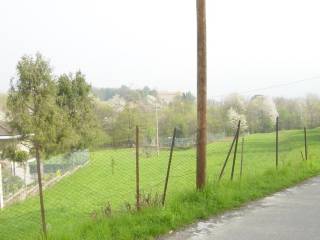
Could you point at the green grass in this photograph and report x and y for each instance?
(75, 205)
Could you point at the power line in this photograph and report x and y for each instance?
(273, 86)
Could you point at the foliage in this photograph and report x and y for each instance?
(11, 152)
(261, 114)
(73, 96)
(54, 116)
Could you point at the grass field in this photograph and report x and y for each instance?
(75, 206)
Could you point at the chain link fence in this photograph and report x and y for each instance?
(86, 185)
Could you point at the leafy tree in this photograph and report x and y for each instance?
(33, 111)
(261, 114)
(74, 98)
(312, 111)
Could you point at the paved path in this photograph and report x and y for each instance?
(293, 214)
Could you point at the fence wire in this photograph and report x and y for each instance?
(85, 185)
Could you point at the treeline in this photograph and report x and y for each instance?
(108, 116)
(257, 114)
(124, 92)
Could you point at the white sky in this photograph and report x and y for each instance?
(251, 43)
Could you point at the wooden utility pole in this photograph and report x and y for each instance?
(201, 94)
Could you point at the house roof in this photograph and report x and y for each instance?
(6, 133)
(5, 130)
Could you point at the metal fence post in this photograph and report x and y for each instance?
(1, 189)
(169, 167)
(305, 144)
(235, 152)
(137, 170)
(229, 153)
(241, 163)
(277, 142)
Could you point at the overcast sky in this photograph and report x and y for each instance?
(252, 44)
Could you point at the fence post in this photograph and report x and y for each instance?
(241, 157)
(112, 165)
(43, 216)
(137, 170)
(230, 150)
(305, 144)
(277, 142)
(1, 189)
(169, 167)
(235, 151)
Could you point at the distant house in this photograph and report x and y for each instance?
(6, 133)
(168, 97)
(117, 103)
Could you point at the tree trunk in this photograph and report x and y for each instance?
(43, 217)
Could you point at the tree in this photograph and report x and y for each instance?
(234, 119)
(75, 99)
(32, 108)
(12, 152)
(39, 116)
(261, 114)
(312, 111)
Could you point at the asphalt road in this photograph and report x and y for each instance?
(293, 214)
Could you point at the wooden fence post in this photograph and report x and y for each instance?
(137, 170)
(169, 167)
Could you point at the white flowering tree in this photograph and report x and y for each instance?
(233, 120)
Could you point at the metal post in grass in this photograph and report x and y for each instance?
(169, 167)
(241, 163)
(1, 189)
(305, 144)
(235, 152)
(42, 209)
(277, 142)
(137, 170)
(229, 153)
